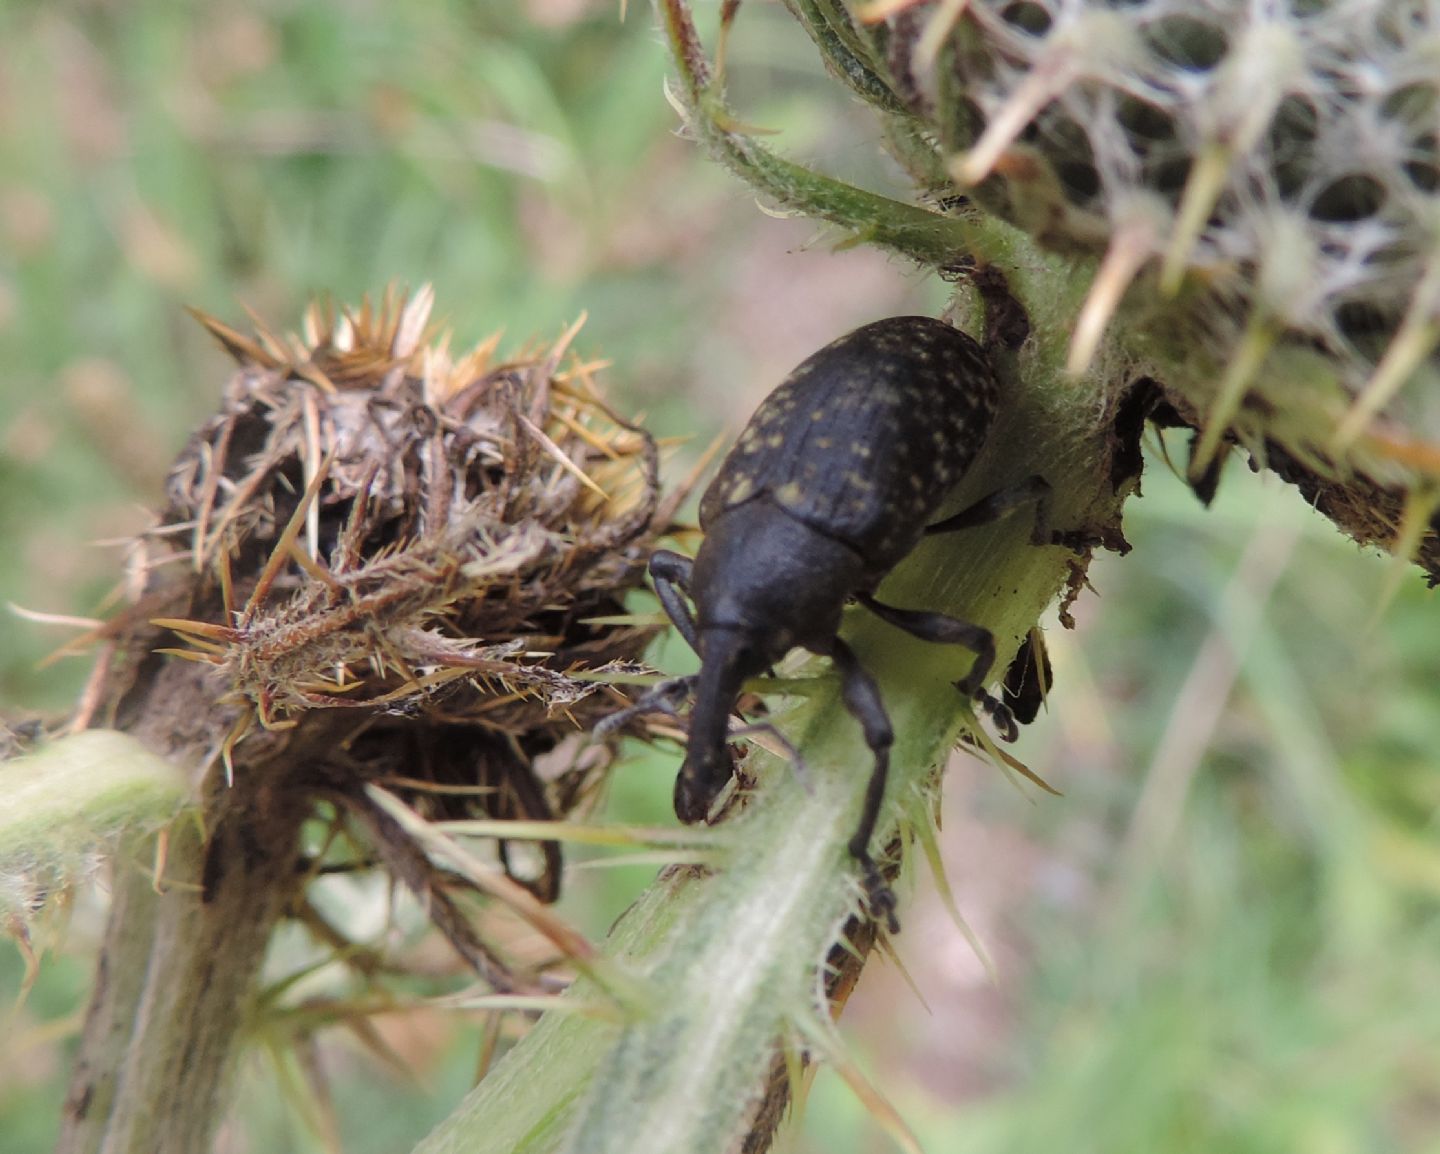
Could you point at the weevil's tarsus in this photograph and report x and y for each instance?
(1000, 714)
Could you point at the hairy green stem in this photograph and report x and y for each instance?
(907, 229)
(69, 798)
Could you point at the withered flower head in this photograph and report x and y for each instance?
(404, 562)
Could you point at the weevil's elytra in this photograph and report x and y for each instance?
(887, 419)
(834, 480)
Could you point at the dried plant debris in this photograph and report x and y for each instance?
(417, 557)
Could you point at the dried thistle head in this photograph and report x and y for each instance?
(1237, 201)
(1270, 169)
(415, 550)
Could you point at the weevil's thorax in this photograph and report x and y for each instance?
(773, 578)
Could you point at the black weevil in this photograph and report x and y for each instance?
(829, 486)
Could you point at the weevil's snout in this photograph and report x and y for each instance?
(702, 777)
(727, 657)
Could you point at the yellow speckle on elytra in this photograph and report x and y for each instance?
(789, 493)
(740, 490)
(817, 415)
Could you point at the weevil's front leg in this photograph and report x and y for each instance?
(662, 698)
(945, 630)
(671, 574)
(862, 698)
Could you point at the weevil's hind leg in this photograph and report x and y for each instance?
(1001, 503)
(862, 699)
(671, 574)
(945, 630)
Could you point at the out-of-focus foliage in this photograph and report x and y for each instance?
(1224, 936)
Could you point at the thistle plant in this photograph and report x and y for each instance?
(1220, 215)
(1240, 201)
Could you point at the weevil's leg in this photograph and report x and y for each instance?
(788, 747)
(862, 699)
(1032, 490)
(663, 698)
(944, 630)
(671, 574)
(1000, 713)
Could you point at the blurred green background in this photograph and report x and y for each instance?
(1224, 937)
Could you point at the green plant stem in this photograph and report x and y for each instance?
(907, 229)
(69, 798)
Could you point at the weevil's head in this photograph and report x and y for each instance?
(771, 580)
